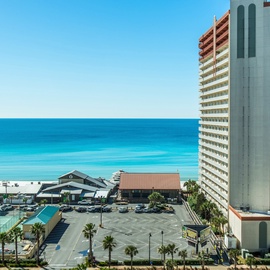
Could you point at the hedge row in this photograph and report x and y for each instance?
(22, 263)
(157, 262)
(264, 261)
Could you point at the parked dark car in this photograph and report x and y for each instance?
(148, 210)
(107, 209)
(81, 209)
(156, 210)
(140, 205)
(138, 210)
(65, 208)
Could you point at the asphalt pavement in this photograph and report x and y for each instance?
(67, 247)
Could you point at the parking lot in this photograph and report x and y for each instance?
(67, 247)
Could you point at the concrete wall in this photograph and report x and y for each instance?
(247, 231)
(250, 113)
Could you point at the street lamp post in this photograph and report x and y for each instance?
(5, 184)
(150, 248)
(161, 242)
(100, 212)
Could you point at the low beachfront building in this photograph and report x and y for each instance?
(76, 186)
(81, 178)
(19, 192)
(136, 187)
(49, 216)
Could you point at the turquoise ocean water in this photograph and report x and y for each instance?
(44, 149)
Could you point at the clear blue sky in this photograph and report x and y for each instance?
(102, 58)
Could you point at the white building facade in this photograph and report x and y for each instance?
(239, 183)
(214, 95)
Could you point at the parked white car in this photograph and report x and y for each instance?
(84, 202)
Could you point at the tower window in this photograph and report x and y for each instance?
(251, 30)
(240, 31)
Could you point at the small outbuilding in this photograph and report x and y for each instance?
(49, 216)
(136, 187)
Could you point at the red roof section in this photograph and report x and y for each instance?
(156, 181)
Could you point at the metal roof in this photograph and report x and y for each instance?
(97, 181)
(101, 193)
(21, 187)
(71, 184)
(43, 216)
(71, 191)
(150, 181)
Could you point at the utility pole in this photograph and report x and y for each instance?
(150, 235)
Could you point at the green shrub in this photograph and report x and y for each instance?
(195, 262)
(106, 263)
(143, 262)
(265, 261)
(103, 264)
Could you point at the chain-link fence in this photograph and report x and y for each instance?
(10, 221)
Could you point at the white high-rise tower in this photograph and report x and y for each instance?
(235, 159)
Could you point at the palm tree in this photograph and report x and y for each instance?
(250, 261)
(171, 249)
(183, 255)
(109, 243)
(43, 202)
(4, 238)
(233, 254)
(37, 230)
(170, 264)
(15, 234)
(191, 186)
(66, 197)
(25, 200)
(131, 251)
(163, 251)
(89, 231)
(202, 259)
(215, 224)
(207, 208)
(223, 221)
(10, 197)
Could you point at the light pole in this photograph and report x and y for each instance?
(150, 248)
(100, 212)
(5, 184)
(161, 242)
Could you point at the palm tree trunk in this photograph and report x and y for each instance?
(109, 258)
(16, 250)
(3, 253)
(184, 262)
(90, 255)
(38, 250)
(131, 264)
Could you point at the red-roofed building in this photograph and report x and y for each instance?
(136, 187)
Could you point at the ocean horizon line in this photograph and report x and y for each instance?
(100, 118)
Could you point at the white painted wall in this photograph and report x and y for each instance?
(250, 113)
